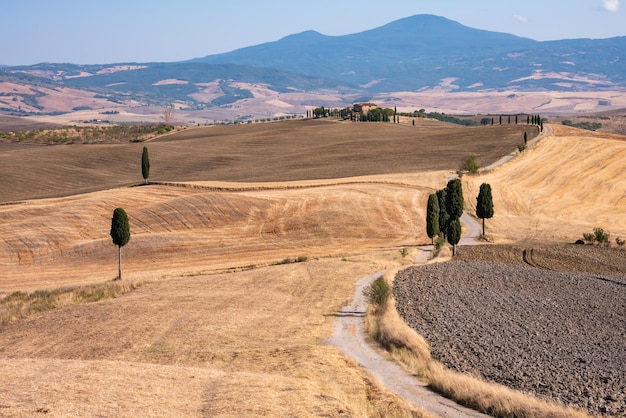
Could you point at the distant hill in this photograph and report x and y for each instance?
(422, 51)
(418, 53)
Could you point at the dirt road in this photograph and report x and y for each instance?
(349, 337)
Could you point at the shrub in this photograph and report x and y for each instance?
(470, 165)
(601, 236)
(598, 235)
(589, 237)
(404, 252)
(521, 147)
(620, 241)
(378, 293)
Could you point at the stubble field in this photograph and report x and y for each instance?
(219, 325)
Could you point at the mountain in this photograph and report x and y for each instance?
(422, 51)
(417, 53)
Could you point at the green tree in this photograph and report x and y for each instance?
(120, 234)
(484, 203)
(525, 138)
(432, 217)
(470, 165)
(454, 234)
(454, 199)
(145, 164)
(444, 217)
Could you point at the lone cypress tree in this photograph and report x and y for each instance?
(484, 204)
(454, 199)
(454, 234)
(145, 164)
(120, 234)
(432, 217)
(525, 138)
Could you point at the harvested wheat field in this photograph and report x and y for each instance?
(231, 285)
(558, 189)
(271, 152)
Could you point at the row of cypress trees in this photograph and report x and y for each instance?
(445, 207)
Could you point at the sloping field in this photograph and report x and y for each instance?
(566, 185)
(271, 152)
(205, 335)
(182, 230)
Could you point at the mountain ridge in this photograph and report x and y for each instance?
(414, 54)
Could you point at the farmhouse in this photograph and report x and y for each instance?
(363, 108)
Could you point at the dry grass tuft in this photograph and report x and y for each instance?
(18, 305)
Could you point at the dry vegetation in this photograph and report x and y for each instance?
(216, 329)
(559, 189)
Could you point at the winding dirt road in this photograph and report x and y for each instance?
(349, 337)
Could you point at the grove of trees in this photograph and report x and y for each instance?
(443, 212)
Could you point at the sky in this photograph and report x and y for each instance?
(115, 31)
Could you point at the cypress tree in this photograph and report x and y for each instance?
(454, 199)
(525, 137)
(500, 119)
(444, 218)
(484, 203)
(145, 164)
(120, 234)
(432, 217)
(454, 234)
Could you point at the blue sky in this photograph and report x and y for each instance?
(90, 32)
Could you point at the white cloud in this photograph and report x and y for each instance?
(611, 5)
(521, 19)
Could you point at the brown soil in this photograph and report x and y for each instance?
(272, 152)
(544, 320)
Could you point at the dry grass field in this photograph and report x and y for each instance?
(564, 186)
(218, 326)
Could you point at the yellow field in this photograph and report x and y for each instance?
(217, 327)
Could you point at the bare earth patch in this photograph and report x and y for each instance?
(536, 323)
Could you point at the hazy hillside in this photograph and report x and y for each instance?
(421, 51)
(415, 54)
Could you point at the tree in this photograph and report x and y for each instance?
(432, 217)
(167, 115)
(454, 199)
(444, 218)
(145, 164)
(454, 234)
(525, 138)
(120, 234)
(470, 165)
(484, 203)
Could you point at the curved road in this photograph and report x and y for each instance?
(349, 334)
(349, 337)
